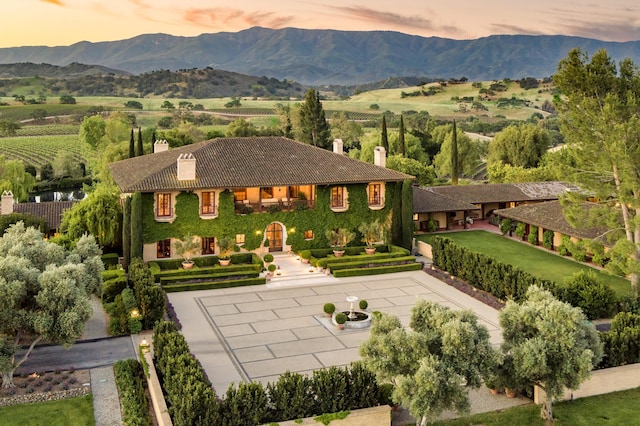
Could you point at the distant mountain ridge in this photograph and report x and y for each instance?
(322, 57)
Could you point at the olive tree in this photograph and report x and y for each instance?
(433, 365)
(551, 343)
(44, 292)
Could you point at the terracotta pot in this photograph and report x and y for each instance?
(494, 391)
(340, 326)
(187, 264)
(338, 253)
(510, 393)
(370, 250)
(225, 262)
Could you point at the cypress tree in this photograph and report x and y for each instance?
(313, 124)
(454, 155)
(132, 152)
(407, 214)
(401, 137)
(126, 234)
(140, 152)
(385, 137)
(136, 226)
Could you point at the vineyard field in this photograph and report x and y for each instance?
(49, 129)
(39, 150)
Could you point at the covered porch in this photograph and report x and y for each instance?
(272, 199)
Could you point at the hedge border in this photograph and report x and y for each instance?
(363, 263)
(378, 270)
(215, 284)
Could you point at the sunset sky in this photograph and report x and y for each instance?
(64, 22)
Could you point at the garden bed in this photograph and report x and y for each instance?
(49, 386)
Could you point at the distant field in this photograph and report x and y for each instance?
(49, 129)
(39, 150)
(20, 112)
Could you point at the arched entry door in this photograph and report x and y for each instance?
(274, 234)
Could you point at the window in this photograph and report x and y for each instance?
(208, 245)
(208, 203)
(375, 194)
(266, 192)
(337, 196)
(308, 234)
(239, 238)
(294, 191)
(163, 205)
(240, 194)
(163, 248)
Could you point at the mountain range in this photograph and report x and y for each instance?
(323, 57)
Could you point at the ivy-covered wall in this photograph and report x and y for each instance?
(228, 223)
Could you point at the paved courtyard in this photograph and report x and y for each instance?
(258, 333)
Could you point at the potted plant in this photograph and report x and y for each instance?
(341, 318)
(339, 240)
(329, 308)
(305, 255)
(268, 258)
(372, 232)
(185, 249)
(363, 304)
(270, 270)
(225, 245)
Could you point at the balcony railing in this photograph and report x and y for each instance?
(273, 205)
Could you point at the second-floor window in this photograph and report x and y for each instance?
(163, 205)
(375, 194)
(208, 202)
(337, 197)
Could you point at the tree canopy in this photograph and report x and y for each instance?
(600, 119)
(519, 145)
(551, 342)
(433, 365)
(468, 152)
(44, 291)
(314, 128)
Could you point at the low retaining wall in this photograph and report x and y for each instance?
(601, 381)
(157, 398)
(424, 249)
(374, 416)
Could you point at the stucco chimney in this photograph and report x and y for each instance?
(380, 156)
(6, 206)
(160, 146)
(186, 167)
(337, 146)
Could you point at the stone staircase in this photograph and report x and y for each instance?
(295, 273)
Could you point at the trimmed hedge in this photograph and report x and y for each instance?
(317, 255)
(131, 390)
(113, 287)
(110, 259)
(214, 284)
(209, 277)
(212, 270)
(345, 259)
(192, 401)
(369, 263)
(378, 270)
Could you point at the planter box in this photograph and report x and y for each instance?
(374, 416)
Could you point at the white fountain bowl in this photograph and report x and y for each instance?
(354, 325)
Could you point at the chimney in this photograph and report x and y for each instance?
(160, 146)
(6, 206)
(186, 167)
(380, 156)
(337, 146)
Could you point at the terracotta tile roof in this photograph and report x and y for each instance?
(548, 215)
(51, 211)
(425, 200)
(247, 162)
(504, 192)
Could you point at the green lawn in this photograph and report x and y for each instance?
(528, 258)
(72, 411)
(619, 408)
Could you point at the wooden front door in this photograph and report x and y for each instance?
(274, 234)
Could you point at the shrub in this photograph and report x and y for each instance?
(363, 304)
(329, 308)
(533, 235)
(564, 249)
(505, 226)
(585, 291)
(622, 342)
(305, 254)
(579, 251)
(547, 239)
(521, 228)
(130, 382)
(112, 288)
(290, 397)
(341, 318)
(268, 257)
(272, 268)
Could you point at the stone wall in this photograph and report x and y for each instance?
(601, 381)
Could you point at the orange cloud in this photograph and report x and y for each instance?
(226, 16)
(56, 2)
